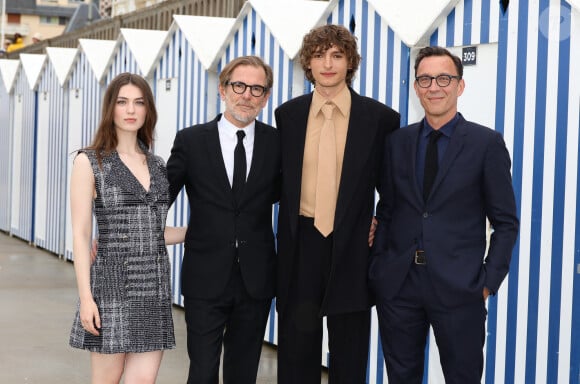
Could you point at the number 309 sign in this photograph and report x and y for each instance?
(469, 56)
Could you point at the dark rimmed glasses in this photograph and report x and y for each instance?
(425, 81)
(239, 88)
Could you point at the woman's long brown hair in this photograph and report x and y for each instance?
(105, 140)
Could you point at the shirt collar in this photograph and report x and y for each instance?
(230, 130)
(447, 128)
(342, 100)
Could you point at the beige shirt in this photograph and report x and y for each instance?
(340, 116)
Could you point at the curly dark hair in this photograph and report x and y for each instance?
(320, 39)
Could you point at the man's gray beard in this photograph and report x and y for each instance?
(244, 119)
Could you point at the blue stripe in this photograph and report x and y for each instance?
(34, 167)
(434, 40)
(376, 57)
(467, 20)
(262, 39)
(499, 126)
(198, 75)
(404, 89)
(253, 47)
(450, 30)
(559, 195)
(485, 22)
(380, 360)
(244, 35)
(340, 13)
(390, 67)
(426, 360)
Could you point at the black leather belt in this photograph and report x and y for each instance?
(420, 258)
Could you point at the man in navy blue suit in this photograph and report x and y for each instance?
(442, 179)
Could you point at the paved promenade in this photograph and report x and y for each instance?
(37, 303)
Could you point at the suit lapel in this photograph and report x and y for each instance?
(295, 133)
(359, 143)
(411, 151)
(258, 157)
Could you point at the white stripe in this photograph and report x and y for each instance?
(476, 22)
(494, 12)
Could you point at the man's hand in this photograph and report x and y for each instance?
(374, 223)
(94, 251)
(486, 293)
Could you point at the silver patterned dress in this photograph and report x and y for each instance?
(130, 278)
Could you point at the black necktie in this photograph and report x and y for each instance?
(431, 163)
(239, 179)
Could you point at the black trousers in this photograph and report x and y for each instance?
(234, 320)
(300, 325)
(404, 324)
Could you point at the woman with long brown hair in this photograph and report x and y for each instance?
(124, 315)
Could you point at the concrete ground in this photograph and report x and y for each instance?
(37, 303)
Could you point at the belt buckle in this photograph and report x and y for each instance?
(419, 258)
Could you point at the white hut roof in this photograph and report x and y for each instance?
(98, 53)
(411, 26)
(288, 20)
(8, 71)
(206, 35)
(32, 65)
(61, 60)
(145, 45)
(574, 3)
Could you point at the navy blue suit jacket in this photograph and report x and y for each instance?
(473, 183)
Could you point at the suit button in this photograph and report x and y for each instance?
(237, 213)
(425, 215)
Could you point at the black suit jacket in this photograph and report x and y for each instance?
(216, 223)
(347, 289)
(473, 183)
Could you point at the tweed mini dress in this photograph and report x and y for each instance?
(130, 278)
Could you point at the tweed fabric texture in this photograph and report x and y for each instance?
(130, 278)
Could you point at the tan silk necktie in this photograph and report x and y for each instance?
(326, 180)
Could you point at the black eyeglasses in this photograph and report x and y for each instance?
(441, 80)
(240, 88)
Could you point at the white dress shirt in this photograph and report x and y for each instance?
(229, 140)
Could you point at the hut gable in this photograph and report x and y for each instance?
(32, 65)
(8, 71)
(61, 60)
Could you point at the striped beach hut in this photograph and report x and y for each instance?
(24, 130)
(186, 85)
(136, 51)
(85, 89)
(8, 71)
(518, 57)
(51, 138)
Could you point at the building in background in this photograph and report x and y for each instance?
(49, 18)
